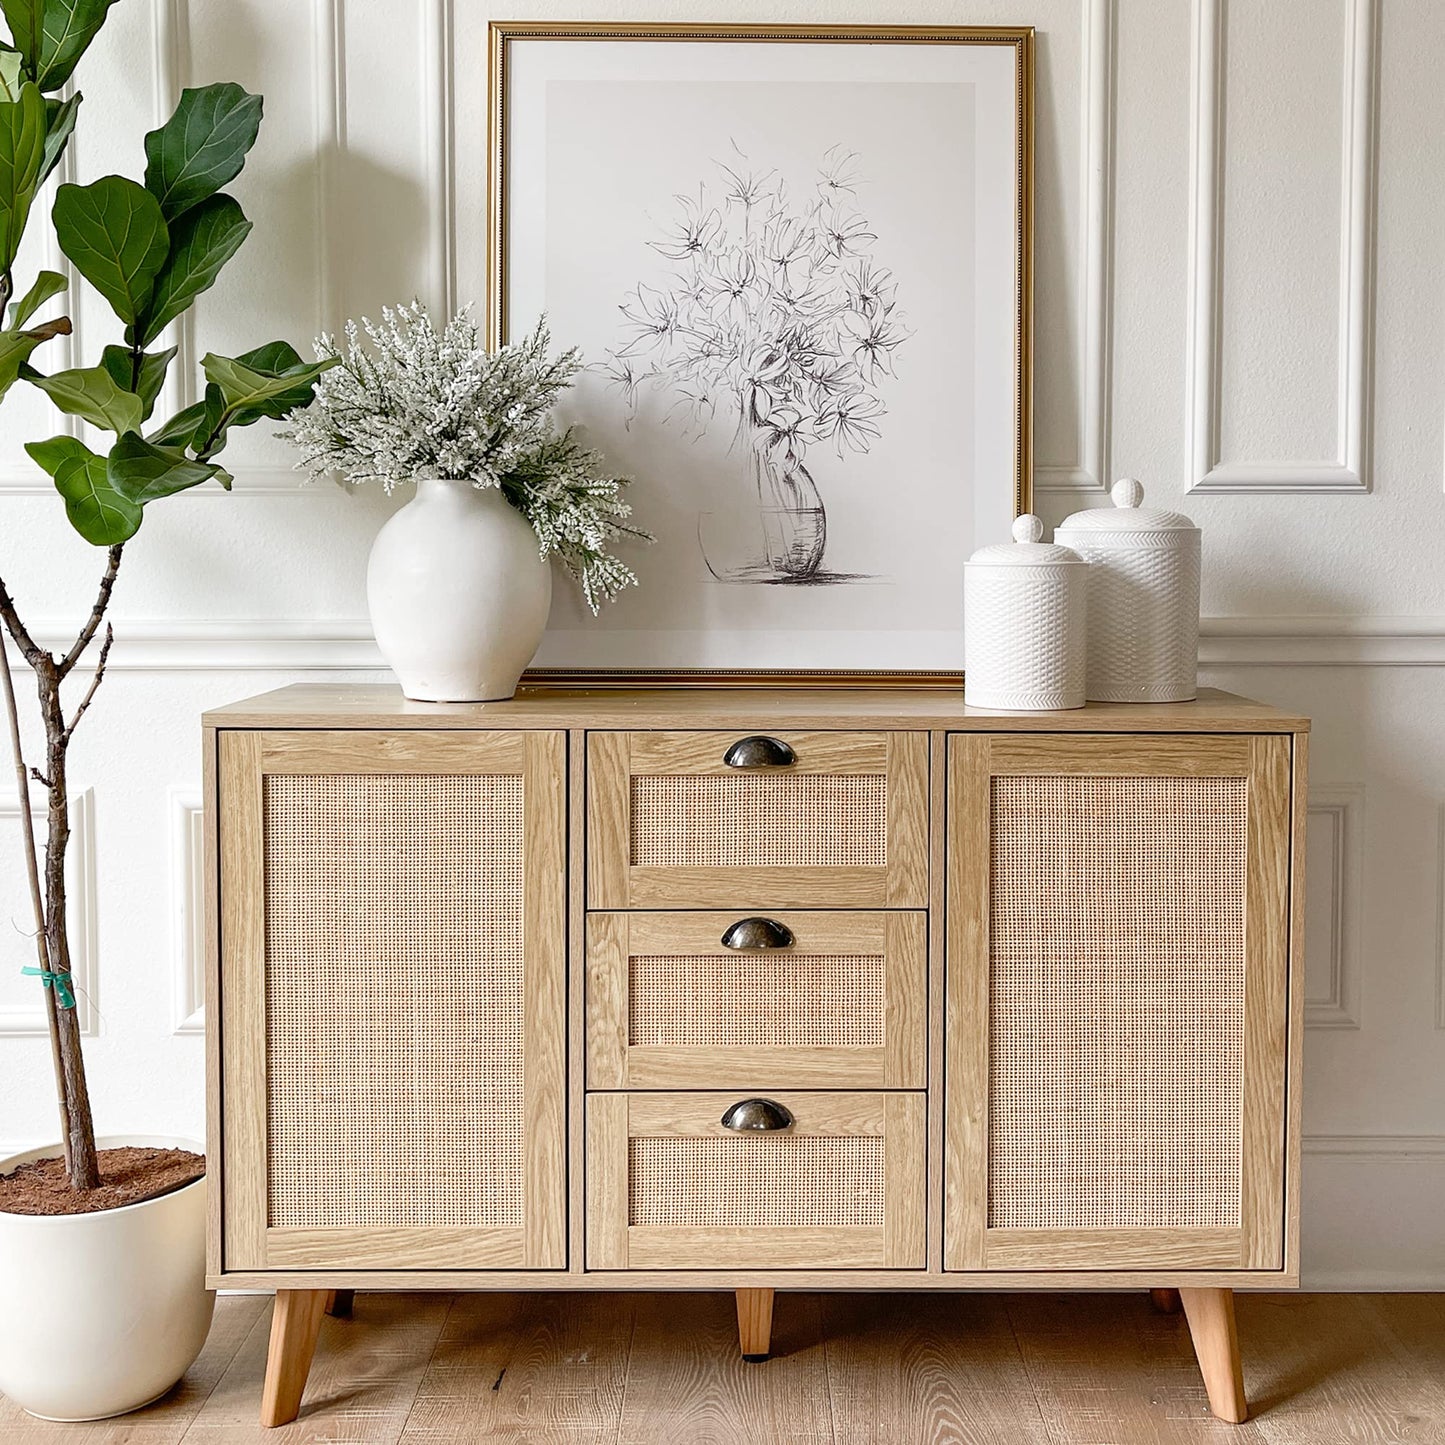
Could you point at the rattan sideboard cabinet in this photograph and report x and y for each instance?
(752, 989)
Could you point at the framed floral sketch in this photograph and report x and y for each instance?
(797, 261)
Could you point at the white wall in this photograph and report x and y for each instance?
(1239, 300)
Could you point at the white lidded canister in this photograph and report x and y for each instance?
(1143, 598)
(1023, 624)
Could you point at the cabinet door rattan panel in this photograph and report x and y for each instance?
(394, 999)
(1117, 973)
(839, 820)
(826, 1000)
(669, 1187)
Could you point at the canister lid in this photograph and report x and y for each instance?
(1028, 549)
(1126, 515)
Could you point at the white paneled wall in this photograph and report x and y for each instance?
(1241, 218)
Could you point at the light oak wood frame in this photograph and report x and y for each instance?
(613, 1243)
(613, 882)
(969, 1242)
(245, 759)
(900, 1062)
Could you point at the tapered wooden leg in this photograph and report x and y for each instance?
(294, 1327)
(1210, 1313)
(1166, 1301)
(755, 1322)
(339, 1302)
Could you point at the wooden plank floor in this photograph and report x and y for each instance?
(853, 1369)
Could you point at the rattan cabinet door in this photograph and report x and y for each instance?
(669, 1186)
(786, 1000)
(392, 909)
(781, 820)
(1117, 968)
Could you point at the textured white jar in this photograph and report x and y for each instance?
(102, 1313)
(458, 593)
(1143, 598)
(1024, 624)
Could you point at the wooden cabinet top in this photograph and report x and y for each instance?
(307, 705)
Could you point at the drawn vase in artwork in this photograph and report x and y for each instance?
(775, 531)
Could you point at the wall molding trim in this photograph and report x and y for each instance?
(22, 1020)
(1375, 1146)
(1346, 472)
(1322, 641)
(1440, 927)
(346, 644)
(188, 946)
(1343, 809)
(436, 102)
(1094, 317)
(328, 120)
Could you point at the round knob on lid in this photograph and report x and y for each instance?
(1127, 492)
(1028, 528)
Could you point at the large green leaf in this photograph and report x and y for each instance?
(202, 241)
(22, 155)
(92, 394)
(251, 383)
(26, 19)
(115, 234)
(117, 361)
(59, 122)
(279, 359)
(102, 515)
(15, 349)
(70, 26)
(201, 147)
(12, 73)
(141, 471)
(47, 284)
(192, 425)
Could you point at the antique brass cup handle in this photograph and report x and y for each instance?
(760, 752)
(758, 933)
(763, 1114)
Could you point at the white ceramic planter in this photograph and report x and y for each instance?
(102, 1313)
(458, 593)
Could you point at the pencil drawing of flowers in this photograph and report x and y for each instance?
(772, 314)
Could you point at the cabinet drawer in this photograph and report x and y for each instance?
(786, 820)
(729, 1000)
(669, 1186)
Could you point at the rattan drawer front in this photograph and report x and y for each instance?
(835, 820)
(1117, 963)
(670, 1187)
(843, 1005)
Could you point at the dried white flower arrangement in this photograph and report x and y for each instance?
(416, 403)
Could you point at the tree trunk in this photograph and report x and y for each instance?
(80, 1143)
(47, 884)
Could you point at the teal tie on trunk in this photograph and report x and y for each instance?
(60, 982)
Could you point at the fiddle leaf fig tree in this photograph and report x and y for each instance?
(149, 248)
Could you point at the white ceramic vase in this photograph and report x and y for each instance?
(102, 1313)
(458, 593)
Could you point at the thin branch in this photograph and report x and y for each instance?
(41, 778)
(94, 682)
(30, 650)
(97, 613)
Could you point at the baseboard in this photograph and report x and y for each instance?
(1371, 1213)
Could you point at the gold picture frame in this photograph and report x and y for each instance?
(504, 34)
